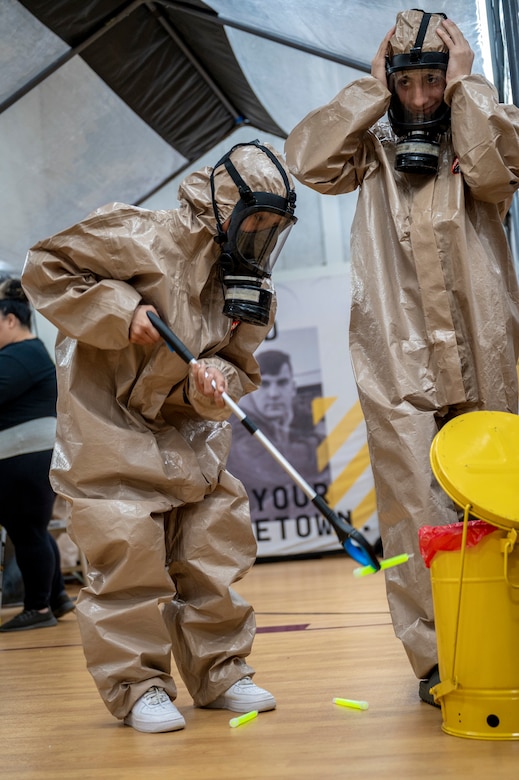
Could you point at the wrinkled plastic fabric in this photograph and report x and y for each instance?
(140, 455)
(447, 538)
(406, 29)
(434, 328)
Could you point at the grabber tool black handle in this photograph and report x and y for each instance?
(170, 338)
(351, 540)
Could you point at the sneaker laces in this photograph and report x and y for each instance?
(156, 696)
(245, 681)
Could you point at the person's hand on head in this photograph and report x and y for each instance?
(141, 330)
(378, 63)
(461, 55)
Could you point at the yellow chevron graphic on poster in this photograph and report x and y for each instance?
(363, 511)
(336, 438)
(354, 469)
(348, 476)
(320, 406)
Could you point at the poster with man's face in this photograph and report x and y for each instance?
(307, 407)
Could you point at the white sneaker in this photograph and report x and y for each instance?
(155, 712)
(244, 696)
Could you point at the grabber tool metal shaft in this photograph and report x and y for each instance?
(350, 538)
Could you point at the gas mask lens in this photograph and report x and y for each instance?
(254, 242)
(260, 238)
(418, 115)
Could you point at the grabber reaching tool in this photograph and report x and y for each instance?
(352, 540)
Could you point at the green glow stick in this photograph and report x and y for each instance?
(243, 718)
(386, 564)
(354, 705)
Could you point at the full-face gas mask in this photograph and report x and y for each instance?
(252, 241)
(417, 112)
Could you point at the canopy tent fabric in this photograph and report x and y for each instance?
(164, 64)
(107, 100)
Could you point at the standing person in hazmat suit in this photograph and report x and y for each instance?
(434, 328)
(143, 439)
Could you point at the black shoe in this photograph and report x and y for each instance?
(62, 606)
(425, 686)
(29, 618)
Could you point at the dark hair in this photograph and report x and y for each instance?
(13, 300)
(272, 361)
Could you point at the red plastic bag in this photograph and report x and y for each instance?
(436, 538)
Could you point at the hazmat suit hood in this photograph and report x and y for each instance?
(406, 32)
(255, 167)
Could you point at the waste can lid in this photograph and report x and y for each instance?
(475, 458)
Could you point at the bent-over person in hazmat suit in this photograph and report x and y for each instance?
(143, 439)
(434, 329)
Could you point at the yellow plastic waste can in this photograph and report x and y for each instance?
(475, 458)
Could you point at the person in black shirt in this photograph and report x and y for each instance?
(27, 433)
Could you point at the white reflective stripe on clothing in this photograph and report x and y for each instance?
(31, 436)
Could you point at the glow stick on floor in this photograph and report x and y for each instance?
(396, 560)
(351, 703)
(243, 718)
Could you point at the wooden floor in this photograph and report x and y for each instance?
(321, 634)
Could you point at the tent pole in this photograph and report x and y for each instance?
(214, 18)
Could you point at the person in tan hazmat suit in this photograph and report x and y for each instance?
(434, 329)
(143, 439)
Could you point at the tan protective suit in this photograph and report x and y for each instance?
(435, 303)
(140, 454)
